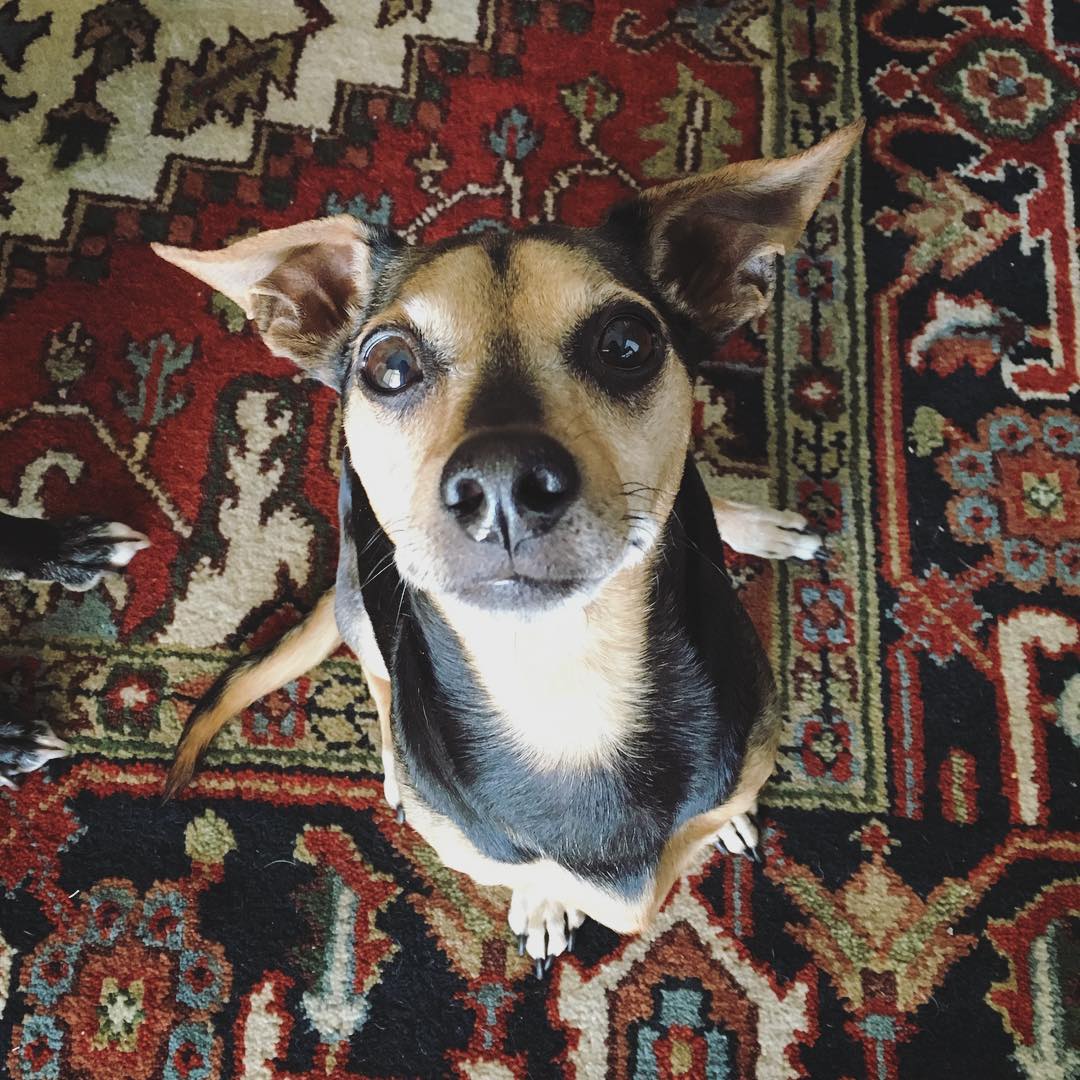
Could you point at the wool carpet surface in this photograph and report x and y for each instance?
(912, 391)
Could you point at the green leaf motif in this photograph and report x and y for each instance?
(145, 362)
(591, 100)
(231, 315)
(696, 134)
(927, 431)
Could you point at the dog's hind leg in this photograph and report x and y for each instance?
(380, 691)
(762, 531)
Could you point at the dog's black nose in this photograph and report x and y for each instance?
(509, 486)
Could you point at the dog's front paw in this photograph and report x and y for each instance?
(740, 837)
(75, 552)
(762, 531)
(24, 747)
(544, 927)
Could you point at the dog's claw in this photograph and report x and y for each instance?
(544, 928)
(570, 938)
(399, 813)
(740, 837)
(764, 532)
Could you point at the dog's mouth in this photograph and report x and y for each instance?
(520, 592)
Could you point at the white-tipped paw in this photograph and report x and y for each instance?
(544, 927)
(123, 542)
(740, 836)
(762, 531)
(82, 549)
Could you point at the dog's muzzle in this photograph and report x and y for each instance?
(506, 487)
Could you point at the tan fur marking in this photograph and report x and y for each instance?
(551, 288)
(699, 832)
(381, 693)
(304, 646)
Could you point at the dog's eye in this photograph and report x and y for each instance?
(390, 364)
(627, 342)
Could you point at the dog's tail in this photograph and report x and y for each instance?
(257, 674)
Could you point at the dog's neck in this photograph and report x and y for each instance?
(563, 684)
(567, 686)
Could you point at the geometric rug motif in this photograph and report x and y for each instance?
(913, 391)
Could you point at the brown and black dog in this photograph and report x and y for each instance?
(572, 700)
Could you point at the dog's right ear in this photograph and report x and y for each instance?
(710, 241)
(302, 286)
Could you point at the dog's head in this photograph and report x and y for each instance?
(518, 406)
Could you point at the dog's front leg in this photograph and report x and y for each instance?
(25, 745)
(762, 531)
(740, 835)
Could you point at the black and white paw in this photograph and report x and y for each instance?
(75, 552)
(740, 836)
(24, 747)
(767, 533)
(544, 928)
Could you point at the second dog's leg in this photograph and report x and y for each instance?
(73, 551)
(25, 745)
(762, 531)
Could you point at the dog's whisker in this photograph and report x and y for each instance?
(401, 601)
(384, 564)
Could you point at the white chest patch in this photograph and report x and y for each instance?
(566, 685)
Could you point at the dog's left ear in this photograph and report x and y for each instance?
(710, 242)
(301, 285)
